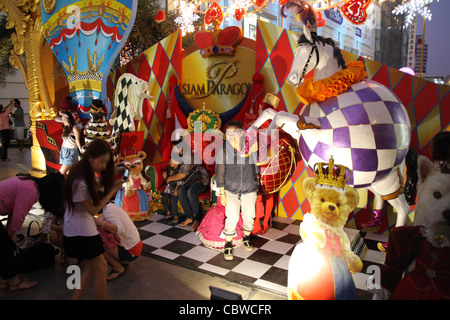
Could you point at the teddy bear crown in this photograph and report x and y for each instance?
(331, 174)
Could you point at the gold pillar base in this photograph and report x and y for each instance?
(37, 156)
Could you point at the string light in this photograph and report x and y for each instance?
(188, 10)
(187, 18)
(412, 8)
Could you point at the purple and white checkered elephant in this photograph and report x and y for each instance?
(365, 128)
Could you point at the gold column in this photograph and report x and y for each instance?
(25, 17)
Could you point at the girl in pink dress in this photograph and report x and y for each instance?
(210, 230)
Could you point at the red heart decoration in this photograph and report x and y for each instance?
(320, 20)
(281, 2)
(214, 13)
(258, 3)
(238, 13)
(161, 16)
(355, 10)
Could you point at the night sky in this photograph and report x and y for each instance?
(438, 38)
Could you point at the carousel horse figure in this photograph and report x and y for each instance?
(359, 122)
(129, 95)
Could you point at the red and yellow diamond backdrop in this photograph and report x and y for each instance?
(428, 105)
(156, 65)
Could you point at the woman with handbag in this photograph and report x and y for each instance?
(17, 196)
(195, 180)
(91, 176)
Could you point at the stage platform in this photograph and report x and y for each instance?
(176, 265)
(265, 268)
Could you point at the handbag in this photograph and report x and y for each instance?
(27, 241)
(34, 253)
(171, 186)
(192, 177)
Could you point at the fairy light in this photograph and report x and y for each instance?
(412, 8)
(188, 10)
(187, 17)
(321, 5)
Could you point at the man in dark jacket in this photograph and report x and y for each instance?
(237, 178)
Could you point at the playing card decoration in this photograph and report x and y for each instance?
(355, 10)
(258, 3)
(161, 16)
(320, 20)
(239, 13)
(214, 13)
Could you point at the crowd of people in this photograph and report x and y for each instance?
(236, 180)
(92, 231)
(82, 217)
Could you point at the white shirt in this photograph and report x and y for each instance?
(77, 221)
(69, 142)
(126, 229)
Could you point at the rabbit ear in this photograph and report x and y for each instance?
(307, 33)
(295, 37)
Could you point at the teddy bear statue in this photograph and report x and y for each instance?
(320, 267)
(426, 242)
(133, 197)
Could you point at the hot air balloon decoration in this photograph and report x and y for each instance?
(86, 37)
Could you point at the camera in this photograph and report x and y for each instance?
(124, 171)
(125, 174)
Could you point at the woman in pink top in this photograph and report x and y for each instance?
(17, 196)
(5, 129)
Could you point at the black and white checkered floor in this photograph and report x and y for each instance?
(265, 267)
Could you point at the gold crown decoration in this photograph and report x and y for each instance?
(331, 174)
(218, 42)
(208, 118)
(204, 118)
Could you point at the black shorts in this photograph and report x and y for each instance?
(83, 248)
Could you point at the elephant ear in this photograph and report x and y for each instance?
(309, 186)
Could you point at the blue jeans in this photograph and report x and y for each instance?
(189, 199)
(170, 203)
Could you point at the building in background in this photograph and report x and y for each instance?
(419, 43)
(359, 39)
(391, 35)
(382, 38)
